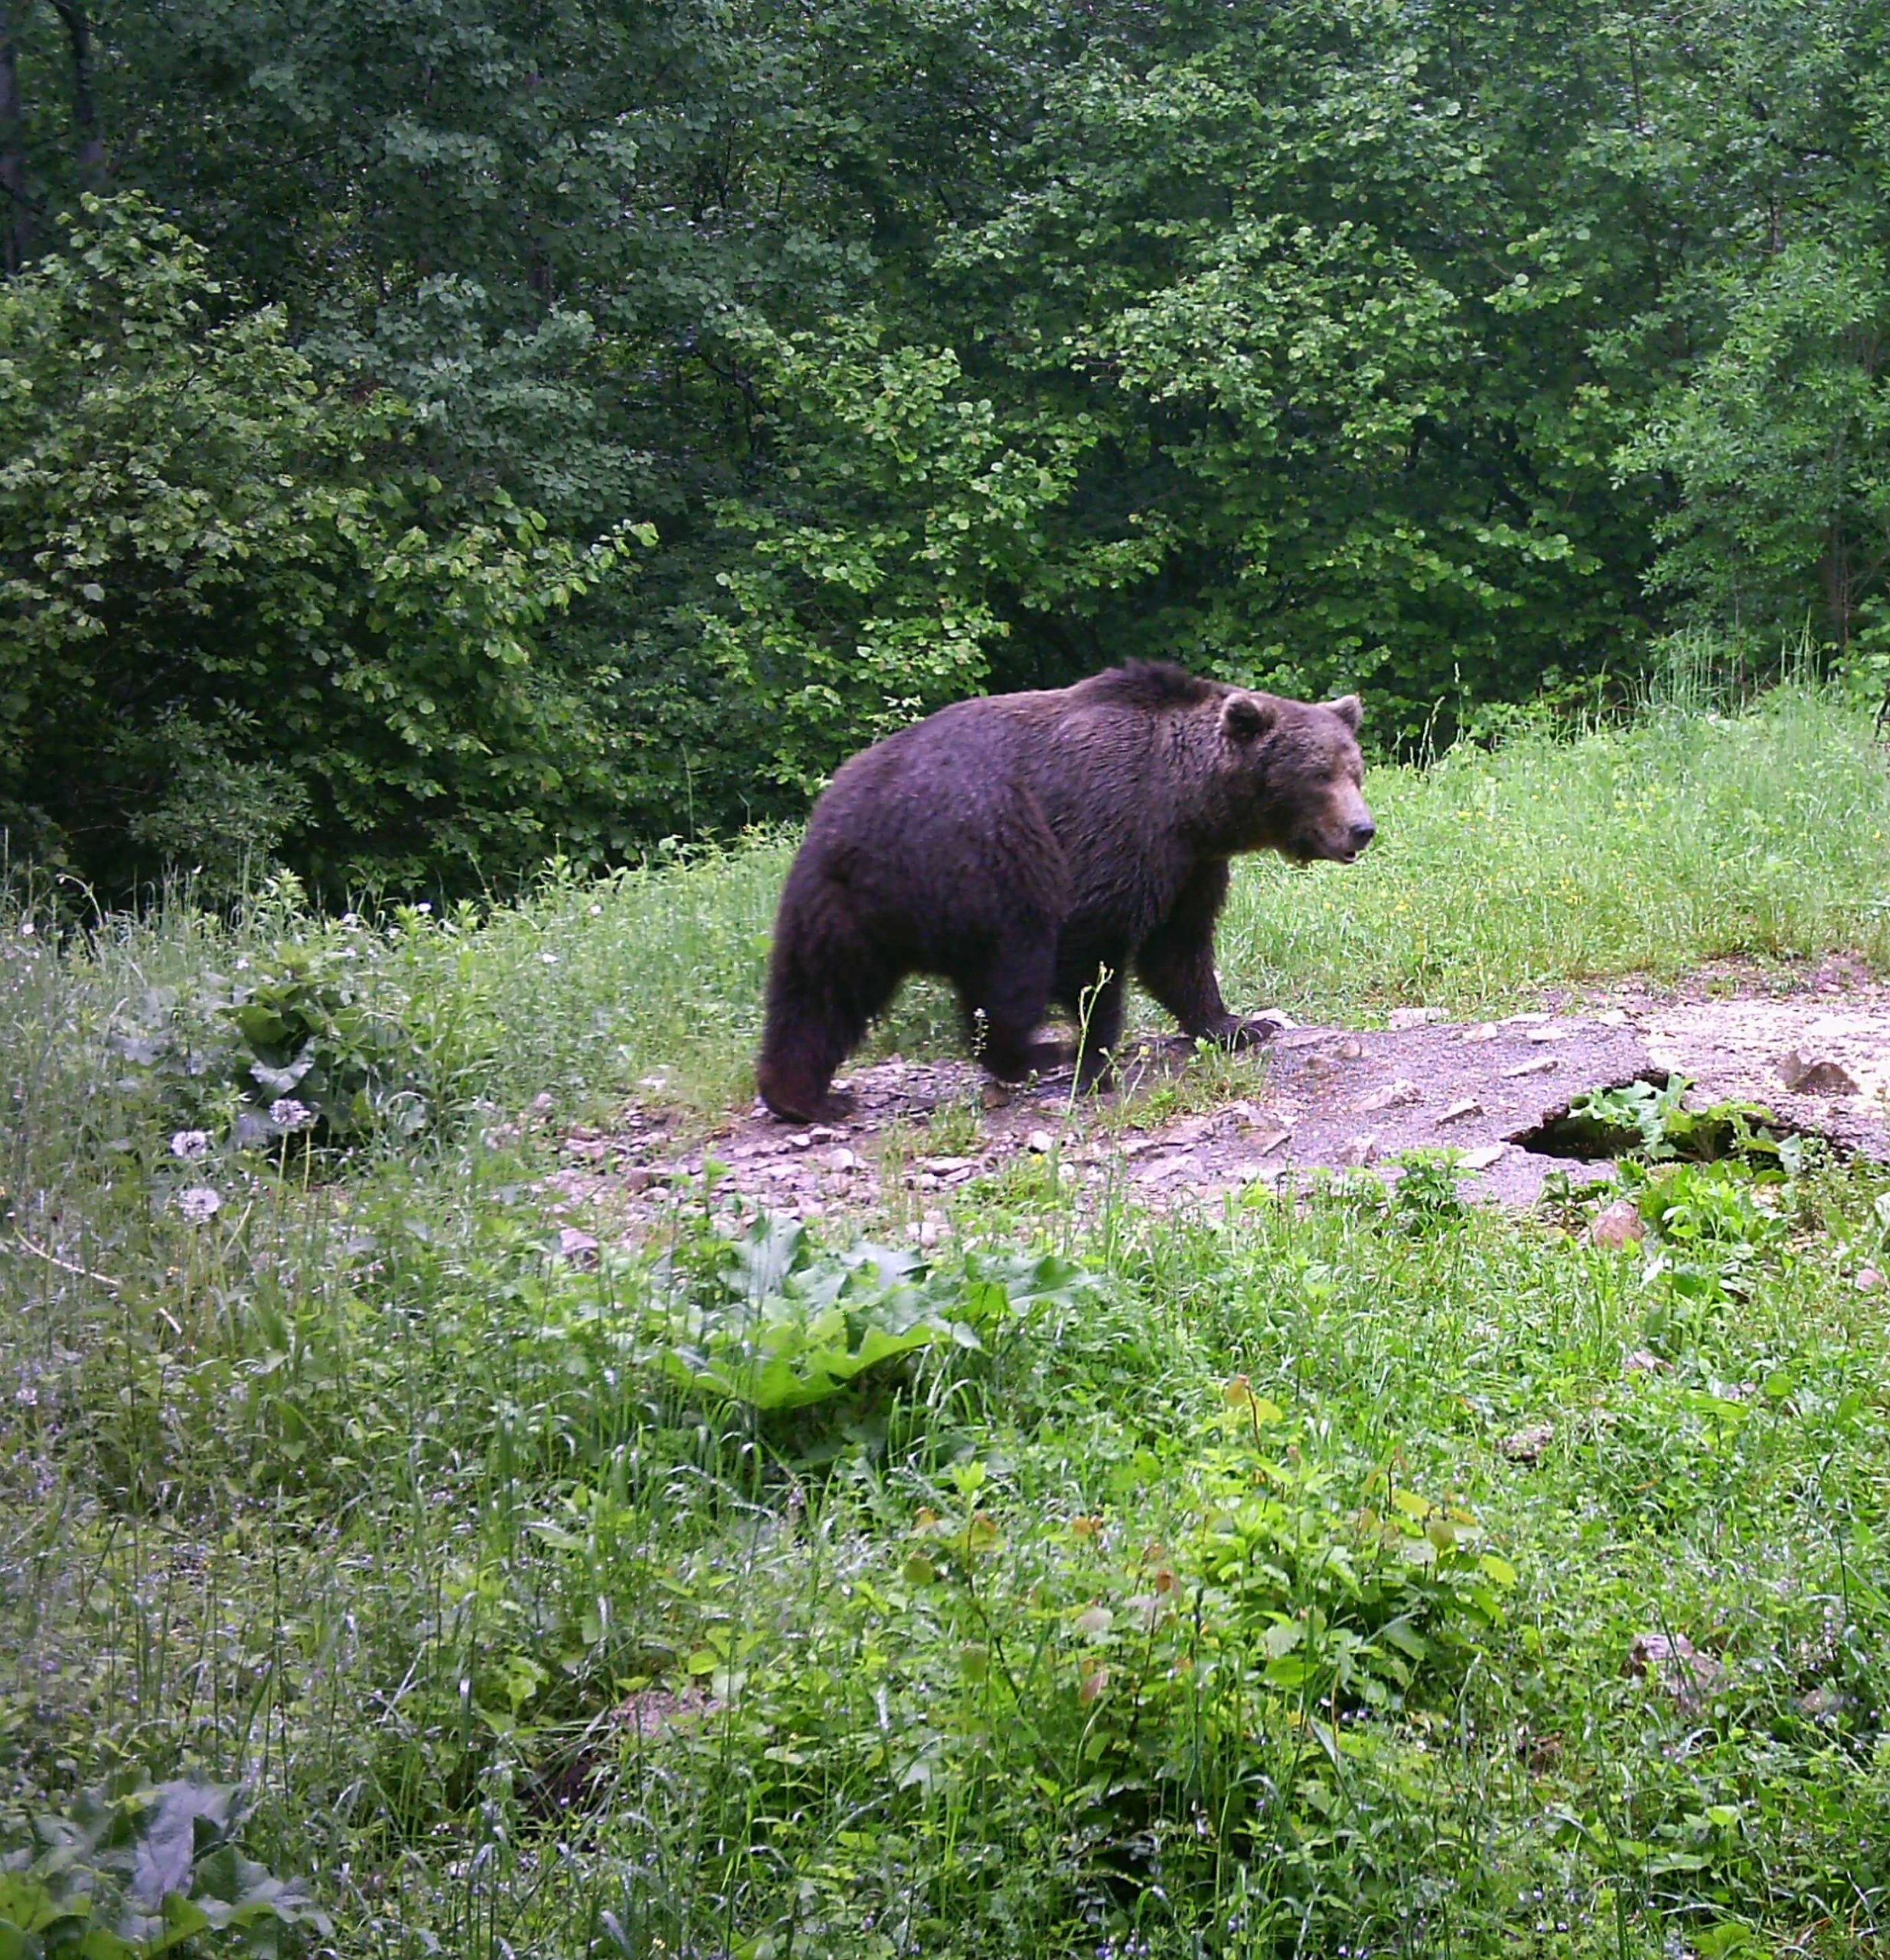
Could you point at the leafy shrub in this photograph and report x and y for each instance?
(1651, 1120)
(221, 573)
(775, 1323)
(311, 1036)
(138, 1869)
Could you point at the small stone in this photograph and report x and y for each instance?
(1469, 1106)
(1542, 1065)
(1808, 1075)
(1619, 1224)
(1394, 1096)
(579, 1247)
(932, 1228)
(1868, 1279)
(637, 1177)
(944, 1165)
(1268, 1141)
(1257, 1173)
(1547, 1033)
(1527, 1446)
(1041, 1142)
(1486, 1030)
(824, 1133)
(844, 1159)
(994, 1096)
(1643, 1361)
(801, 1140)
(1349, 1050)
(1360, 1150)
(1473, 1160)
(1401, 1018)
(1163, 1169)
(1672, 1662)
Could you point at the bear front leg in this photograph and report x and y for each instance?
(1176, 964)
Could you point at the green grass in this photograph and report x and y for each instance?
(1191, 1597)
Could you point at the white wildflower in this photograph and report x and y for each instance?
(27, 928)
(190, 1144)
(550, 958)
(199, 1204)
(288, 1114)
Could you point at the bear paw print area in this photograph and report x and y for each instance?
(1810, 1046)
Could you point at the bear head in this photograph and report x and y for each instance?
(1288, 777)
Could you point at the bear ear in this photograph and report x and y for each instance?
(1347, 708)
(1247, 717)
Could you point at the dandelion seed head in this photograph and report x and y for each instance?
(200, 1203)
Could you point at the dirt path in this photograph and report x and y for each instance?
(1812, 1043)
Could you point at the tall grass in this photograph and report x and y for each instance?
(1681, 837)
(1208, 1605)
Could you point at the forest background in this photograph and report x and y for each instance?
(434, 435)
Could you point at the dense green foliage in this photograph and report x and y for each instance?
(1436, 351)
(1274, 1581)
(235, 609)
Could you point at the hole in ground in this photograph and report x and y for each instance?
(1645, 1116)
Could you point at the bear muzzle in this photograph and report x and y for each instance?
(1338, 835)
(1360, 835)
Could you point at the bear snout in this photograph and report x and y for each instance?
(1361, 833)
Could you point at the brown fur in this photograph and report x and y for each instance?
(1035, 850)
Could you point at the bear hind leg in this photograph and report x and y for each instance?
(1005, 1003)
(818, 1011)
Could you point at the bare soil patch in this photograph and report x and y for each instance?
(1811, 1043)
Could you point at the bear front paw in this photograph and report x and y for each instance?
(1249, 1030)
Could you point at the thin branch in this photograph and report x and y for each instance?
(66, 1265)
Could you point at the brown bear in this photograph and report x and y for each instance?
(1036, 849)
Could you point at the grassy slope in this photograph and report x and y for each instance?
(1069, 1643)
(1649, 848)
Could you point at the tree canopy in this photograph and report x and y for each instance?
(432, 434)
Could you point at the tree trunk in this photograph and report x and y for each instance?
(16, 234)
(84, 107)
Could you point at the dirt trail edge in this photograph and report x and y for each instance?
(1813, 1045)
